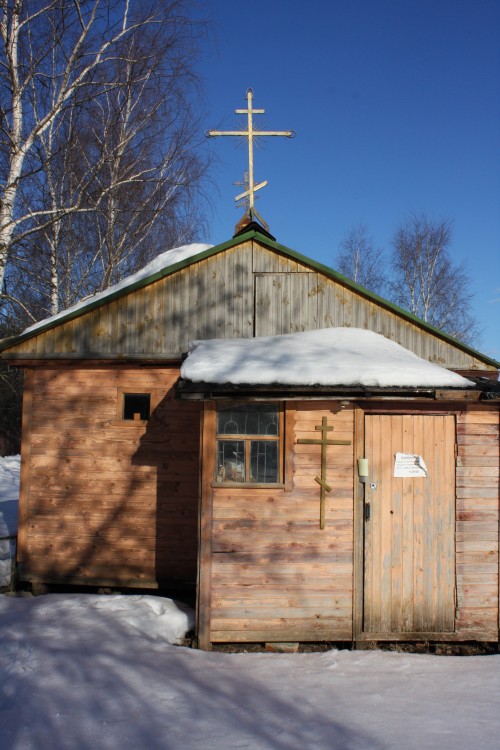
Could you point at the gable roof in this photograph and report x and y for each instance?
(175, 260)
(171, 260)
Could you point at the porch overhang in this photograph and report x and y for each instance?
(189, 391)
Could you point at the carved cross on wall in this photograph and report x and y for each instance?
(321, 480)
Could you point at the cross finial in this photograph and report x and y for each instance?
(250, 134)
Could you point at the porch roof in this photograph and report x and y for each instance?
(330, 357)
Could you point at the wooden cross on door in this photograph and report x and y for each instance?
(321, 480)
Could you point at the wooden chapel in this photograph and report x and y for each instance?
(299, 511)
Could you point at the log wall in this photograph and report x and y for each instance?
(115, 502)
(275, 576)
(477, 522)
(104, 500)
(270, 574)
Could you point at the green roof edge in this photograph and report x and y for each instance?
(94, 305)
(238, 239)
(381, 300)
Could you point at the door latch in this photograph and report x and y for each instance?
(367, 511)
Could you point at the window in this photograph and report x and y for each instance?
(248, 444)
(136, 406)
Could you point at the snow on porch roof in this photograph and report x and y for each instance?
(328, 357)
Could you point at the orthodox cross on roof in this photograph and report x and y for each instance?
(250, 134)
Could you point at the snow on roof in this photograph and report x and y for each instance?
(160, 263)
(328, 357)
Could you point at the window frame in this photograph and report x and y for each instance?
(247, 439)
(120, 406)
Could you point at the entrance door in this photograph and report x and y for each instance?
(409, 525)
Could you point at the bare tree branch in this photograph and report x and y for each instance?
(99, 145)
(425, 280)
(55, 55)
(361, 261)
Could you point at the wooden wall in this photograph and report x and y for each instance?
(477, 517)
(209, 299)
(244, 291)
(275, 576)
(116, 503)
(268, 573)
(105, 500)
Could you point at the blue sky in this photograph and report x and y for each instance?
(396, 106)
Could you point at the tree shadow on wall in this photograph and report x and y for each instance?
(171, 444)
(112, 503)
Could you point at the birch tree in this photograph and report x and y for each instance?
(149, 170)
(427, 282)
(95, 114)
(361, 261)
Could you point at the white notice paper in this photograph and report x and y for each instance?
(409, 465)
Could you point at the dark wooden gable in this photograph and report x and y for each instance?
(251, 286)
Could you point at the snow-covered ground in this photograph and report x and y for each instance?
(88, 672)
(9, 494)
(99, 673)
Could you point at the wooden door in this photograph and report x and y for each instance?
(409, 525)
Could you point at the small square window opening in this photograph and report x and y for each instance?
(137, 406)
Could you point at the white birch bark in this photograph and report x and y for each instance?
(22, 134)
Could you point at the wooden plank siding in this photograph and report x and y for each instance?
(245, 291)
(477, 522)
(301, 301)
(209, 299)
(116, 503)
(109, 501)
(275, 575)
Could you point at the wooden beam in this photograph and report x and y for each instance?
(358, 522)
(204, 588)
(473, 634)
(444, 395)
(289, 439)
(22, 533)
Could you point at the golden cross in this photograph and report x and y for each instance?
(250, 133)
(243, 197)
(322, 479)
